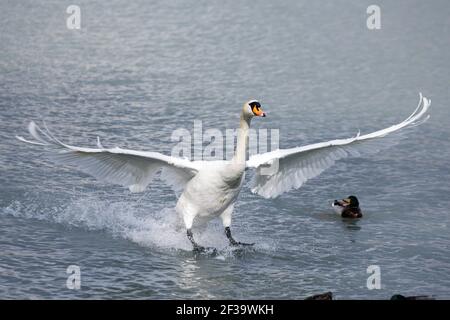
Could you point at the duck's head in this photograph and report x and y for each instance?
(252, 109)
(350, 201)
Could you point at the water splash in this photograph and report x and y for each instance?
(161, 229)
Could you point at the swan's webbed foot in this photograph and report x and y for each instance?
(198, 248)
(233, 242)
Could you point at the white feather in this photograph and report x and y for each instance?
(133, 169)
(297, 165)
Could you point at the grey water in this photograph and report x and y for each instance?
(137, 71)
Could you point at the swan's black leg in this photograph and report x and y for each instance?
(230, 238)
(234, 242)
(191, 239)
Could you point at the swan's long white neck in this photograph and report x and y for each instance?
(242, 140)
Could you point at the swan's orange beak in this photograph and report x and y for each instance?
(258, 112)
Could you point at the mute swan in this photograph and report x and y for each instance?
(210, 188)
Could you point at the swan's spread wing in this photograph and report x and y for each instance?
(282, 170)
(133, 169)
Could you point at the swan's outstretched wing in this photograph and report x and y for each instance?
(282, 170)
(133, 169)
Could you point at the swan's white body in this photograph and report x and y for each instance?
(211, 193)
(210, 188)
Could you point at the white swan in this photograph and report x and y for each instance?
(210, 188)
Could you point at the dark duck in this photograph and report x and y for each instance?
(348, 208)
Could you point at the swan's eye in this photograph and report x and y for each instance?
(256, 106)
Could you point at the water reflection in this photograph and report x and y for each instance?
(351, 224)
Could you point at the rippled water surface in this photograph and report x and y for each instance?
(138, 70)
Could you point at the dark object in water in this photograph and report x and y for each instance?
(323, 296)
(348, 208)
(400, 297)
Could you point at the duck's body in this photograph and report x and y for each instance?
(351, 213)
(211, 188)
